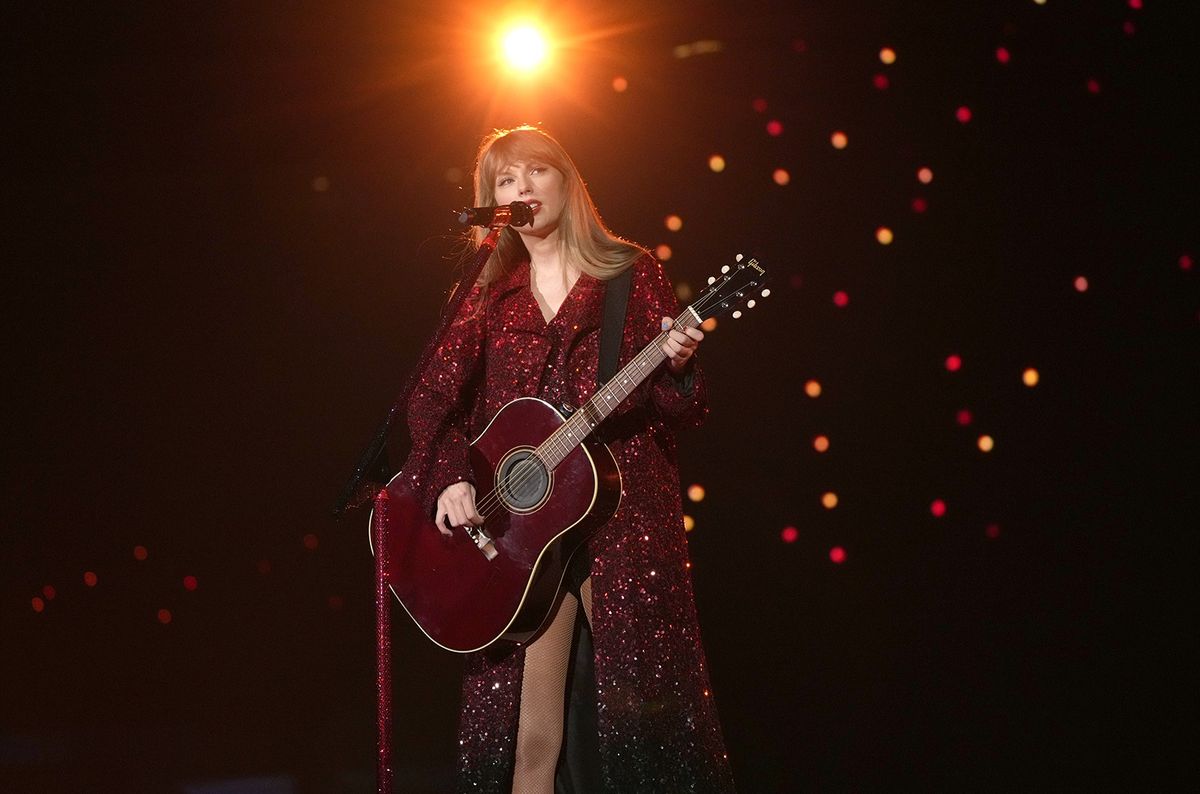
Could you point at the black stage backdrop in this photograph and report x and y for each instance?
(227, 234)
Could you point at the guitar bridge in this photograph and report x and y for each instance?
(482, 541)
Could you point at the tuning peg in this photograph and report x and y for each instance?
(712, 280)
(750, 303)
(737, 258)
(766, 292)
(725, 269)
(737, 314)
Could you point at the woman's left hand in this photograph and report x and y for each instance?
(681, 345)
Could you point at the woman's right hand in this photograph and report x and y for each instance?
(457, 503)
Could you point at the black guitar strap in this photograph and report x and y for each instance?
(616, 298)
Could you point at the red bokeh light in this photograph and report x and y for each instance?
(938, 508)
(759, 105)
(953, 362)
(164, 616)
(837, 554)
(880, 81)
(1002, 55)
(49, 592)
(189, 582)
(789, 534)
(140, 553)
(1093, 85)
(1185, 262)
(1136, 5)
(919, 204)
(992, 531)
(774, 128)
(963, 417)
(1129, 27)
(38, 604)
(1081, 284)
(963, 114)
(311, 541)
(89, 578)
(841, 299)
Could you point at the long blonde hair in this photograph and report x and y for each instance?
(583, 239)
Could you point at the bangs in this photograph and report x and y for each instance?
(522, 145)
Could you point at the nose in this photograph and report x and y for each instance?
(524, 185)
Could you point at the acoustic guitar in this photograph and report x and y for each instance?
(543, 486)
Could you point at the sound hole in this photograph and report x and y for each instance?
(522, 481)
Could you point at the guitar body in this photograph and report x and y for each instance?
(465, 597)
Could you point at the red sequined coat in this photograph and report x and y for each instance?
(657, 722)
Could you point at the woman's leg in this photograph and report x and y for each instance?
(540, 725)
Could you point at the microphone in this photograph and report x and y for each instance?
(517, 213)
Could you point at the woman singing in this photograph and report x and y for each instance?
(530, 328)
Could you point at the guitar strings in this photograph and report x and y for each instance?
(527, 469)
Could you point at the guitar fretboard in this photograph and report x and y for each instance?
(606, 399)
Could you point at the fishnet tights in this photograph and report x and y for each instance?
(543, 692)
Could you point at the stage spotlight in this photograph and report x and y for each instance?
(524, 48)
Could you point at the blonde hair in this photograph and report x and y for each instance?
(583, 239)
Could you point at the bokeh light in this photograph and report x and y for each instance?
(1185, 262)
(992, 531)
(695, 492)
(963, 417)
(759, 105)
(774, 128)
(1093, 85)
(1002, 55)
(781, 177)
(190, 583)
(884, 235)
(887, 55)
(716, 163)
(311, 541)
(789, 534)
(919, 205)
(709, 325)
(1081, 284)
(986, 443)
(880, 81)
(821, 443)
(689, 523)
(938, 508)
(924, 175)
(140, 553)
(663, 252)
(812, 388)
(841, 299)
(37, 603)
(620, 84)
(839, 140)
(164, 616)
(89, 578)
(673, 223)
(829, 500)
(963, 114)
(837, 555)
(49, 592)
(953, 362)
(1030, 377)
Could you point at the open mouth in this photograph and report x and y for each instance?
(534, 205)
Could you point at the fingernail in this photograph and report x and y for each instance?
(666, 324)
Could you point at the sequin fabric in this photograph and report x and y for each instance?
(657, 721)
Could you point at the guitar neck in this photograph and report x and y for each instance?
(606, 399)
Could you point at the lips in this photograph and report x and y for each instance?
(534, 205)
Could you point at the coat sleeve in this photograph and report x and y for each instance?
(681, 400)
(440, 407)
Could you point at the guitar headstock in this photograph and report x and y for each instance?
(740, 284)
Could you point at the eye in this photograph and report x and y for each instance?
(504, 180)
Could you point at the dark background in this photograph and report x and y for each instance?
(199, 340)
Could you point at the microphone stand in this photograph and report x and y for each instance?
(361, 490)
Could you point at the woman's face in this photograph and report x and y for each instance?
(543, 187)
